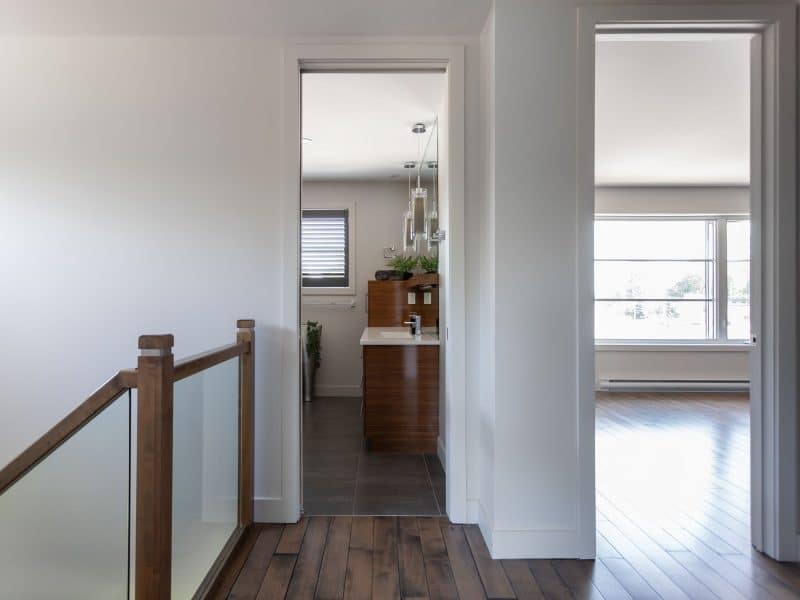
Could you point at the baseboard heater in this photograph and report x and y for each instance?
(673, 385)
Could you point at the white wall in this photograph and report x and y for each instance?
(530, 413)
(137, 195)
(378, 211)
(486, 409)
(659, 199)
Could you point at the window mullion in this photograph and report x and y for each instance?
(721, 296)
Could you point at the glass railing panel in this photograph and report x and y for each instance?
(64, 526)
(204, 472)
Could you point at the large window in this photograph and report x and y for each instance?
(672, 279)
(325, 248)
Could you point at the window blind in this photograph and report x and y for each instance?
(325, 248)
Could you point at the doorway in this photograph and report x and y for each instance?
(773, 527)
(369, 253)
(672, 289)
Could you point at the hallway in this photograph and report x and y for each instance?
(686, 537)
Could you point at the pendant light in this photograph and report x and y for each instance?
(409, 243)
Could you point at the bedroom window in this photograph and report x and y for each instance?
(325, 253)
(672, 279)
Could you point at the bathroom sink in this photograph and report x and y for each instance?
(396, 335)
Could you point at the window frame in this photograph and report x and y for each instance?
(718, 294)
(350, 251)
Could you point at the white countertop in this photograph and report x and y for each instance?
(398, 336)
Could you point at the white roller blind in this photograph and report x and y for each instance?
(325, 248)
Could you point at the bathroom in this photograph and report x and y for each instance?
(370, 314)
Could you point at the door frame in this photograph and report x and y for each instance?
(360, 55)
(774, 386)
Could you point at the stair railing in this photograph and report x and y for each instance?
(213, 505)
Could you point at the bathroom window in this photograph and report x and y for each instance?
(672, 279)
(325, 239)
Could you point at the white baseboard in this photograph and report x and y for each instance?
(473, 510)
(534, 543)
(528, 543)
(272, 510)
(442, 453)
(337, 391)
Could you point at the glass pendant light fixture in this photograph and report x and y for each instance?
(409, 243)
(421, 221)
(432, 220)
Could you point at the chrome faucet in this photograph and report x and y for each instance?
(415, 320)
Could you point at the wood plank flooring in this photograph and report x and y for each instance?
(684, 537)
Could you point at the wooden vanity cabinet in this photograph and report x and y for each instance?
(401, 398)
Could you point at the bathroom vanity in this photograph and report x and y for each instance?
(401, 389)
(401, 370)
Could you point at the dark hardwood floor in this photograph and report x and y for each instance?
(673, 522)
(340, 477)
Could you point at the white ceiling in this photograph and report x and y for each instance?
(360, 123)
(279, 17)
(672, 111)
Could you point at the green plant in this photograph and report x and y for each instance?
(403, 263)
(314, 342)
(429, 264)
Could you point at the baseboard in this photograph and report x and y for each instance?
(337, 391)
(673, 385)
(534, 543)
(527, 543)
(473, 510)
(442, 453)
(272, 510)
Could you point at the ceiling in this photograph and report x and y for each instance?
(672, 111)
(277, 17)
(360, 123)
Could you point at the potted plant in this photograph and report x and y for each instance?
(429, 264)
(403, 266)
(311, 358)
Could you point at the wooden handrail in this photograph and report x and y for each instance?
(154, 378)
(205, 360)
(67, 427)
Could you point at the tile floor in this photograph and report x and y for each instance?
(341, 478)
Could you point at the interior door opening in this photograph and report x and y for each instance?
(675, 125)
(371, 213)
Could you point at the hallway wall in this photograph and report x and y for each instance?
(136, 196)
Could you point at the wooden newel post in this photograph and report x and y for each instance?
(154, 468)
(245, 332)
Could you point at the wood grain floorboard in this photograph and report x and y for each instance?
(685, 535)
(385, 569)
(334, 561)
(276, 580)
(306, 571)
(255, 567)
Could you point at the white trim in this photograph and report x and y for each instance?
(773, 192)
(441, 452)
(383, 54)
(530, 543)
(473, 510)
(610, 346)
(269, 510)
(337, 391)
